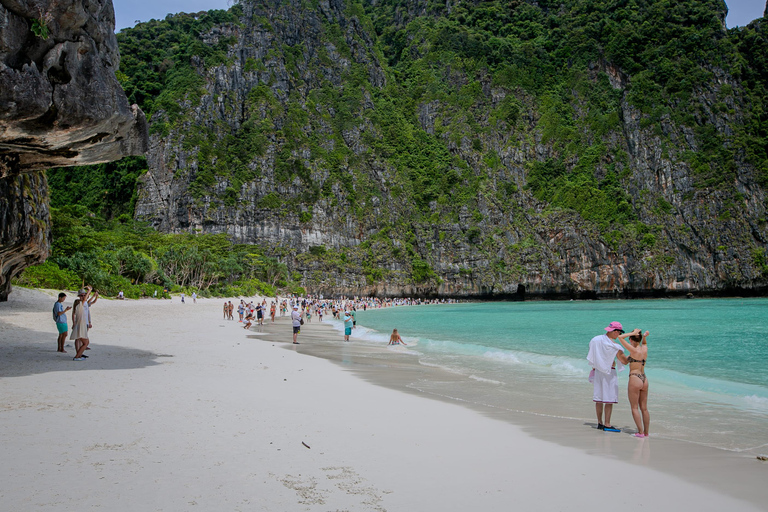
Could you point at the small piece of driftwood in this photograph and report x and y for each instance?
(305, 444)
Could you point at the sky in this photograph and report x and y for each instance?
(127, 12)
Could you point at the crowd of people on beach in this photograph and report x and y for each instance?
(303, 309)
(606, 357)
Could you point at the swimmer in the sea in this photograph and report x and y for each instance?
(395, 339)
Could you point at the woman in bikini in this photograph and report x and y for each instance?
(637, 389)
(395, 339)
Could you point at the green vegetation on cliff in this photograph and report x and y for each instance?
(462, 129)
(129, 256)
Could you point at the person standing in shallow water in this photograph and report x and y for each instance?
(347, 325)
(395, 338)
(602, 355)
(637, 387)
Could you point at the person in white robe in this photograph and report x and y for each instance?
(607, 358)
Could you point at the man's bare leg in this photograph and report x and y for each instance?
(62, 338)
(608, 411)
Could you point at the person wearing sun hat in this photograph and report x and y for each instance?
(296, 321)
(603, 355)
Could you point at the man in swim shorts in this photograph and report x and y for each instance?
(60, 317)
(347, 325)
(602, 355)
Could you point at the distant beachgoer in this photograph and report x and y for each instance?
(637, 387)
(347, 325)
(226, 310)
(182, 298)
(395, 339)
(241, 310)
(79, 328)
(296, 321)
(602, 355)
(248, 321)
(354, 317)
(272, 310)
(231, 310)
(260, 314)
(87, 298)
(194, 297)
(60, 317)
(120, 295)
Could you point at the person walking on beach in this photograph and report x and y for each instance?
(60, 317)
(260, 314)
(194, 297)
(226, 310)
(602, 355)
(296, 321)
(637, 387)
(395, 339)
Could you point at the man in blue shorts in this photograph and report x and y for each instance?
(347, 325)
(60, 317)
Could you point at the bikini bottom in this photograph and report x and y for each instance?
(641, 376)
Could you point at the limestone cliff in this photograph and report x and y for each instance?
(60, 105)
(292, 143)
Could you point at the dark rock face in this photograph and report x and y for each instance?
(60, 105)
(24, 225)
(509, 245)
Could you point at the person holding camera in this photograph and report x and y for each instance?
(60, 317)
(603, 353)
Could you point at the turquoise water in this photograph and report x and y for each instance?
(706, 359)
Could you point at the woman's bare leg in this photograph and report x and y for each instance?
(633, 393)
(643, 400)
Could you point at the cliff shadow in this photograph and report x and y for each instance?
(30, 352)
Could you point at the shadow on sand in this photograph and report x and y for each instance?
(29, 352)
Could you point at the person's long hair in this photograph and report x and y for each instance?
(638, 338)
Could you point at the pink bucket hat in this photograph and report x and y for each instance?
(614, 326)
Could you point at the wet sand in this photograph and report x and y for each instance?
(178, 409)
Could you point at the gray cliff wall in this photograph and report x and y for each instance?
(690, 237)
(60, 105)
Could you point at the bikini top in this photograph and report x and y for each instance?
(633, 360)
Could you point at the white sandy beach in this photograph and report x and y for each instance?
(178, 409)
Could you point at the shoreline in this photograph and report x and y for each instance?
(178, 408)
(727, 471)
